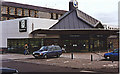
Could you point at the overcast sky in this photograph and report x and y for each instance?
(104, 10)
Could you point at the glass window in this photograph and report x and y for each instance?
(115, 51)
(3, 18)
(26, 12)
(54, 15)
(50, 48)
(4, 9)
(19, 11)
(11, 18)
(34, 43)
(43, 14)
(32, 13)
(57, 48)
(11, 11)
(37, 15)
(44, 48)
(59, 15)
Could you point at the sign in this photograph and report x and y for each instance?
(23, 26)
(42, 35)
(75, 3)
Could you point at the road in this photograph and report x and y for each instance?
(27, 63)
(24, 67)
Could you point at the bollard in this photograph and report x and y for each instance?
(91, 57)
(112, 58)
(71, 55)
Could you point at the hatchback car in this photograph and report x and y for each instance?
(48, 51)
(112, 55)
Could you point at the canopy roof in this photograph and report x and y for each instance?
(77, 31)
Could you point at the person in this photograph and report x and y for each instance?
(26, 49)
(63, 49)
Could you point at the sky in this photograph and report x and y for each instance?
(105, 11)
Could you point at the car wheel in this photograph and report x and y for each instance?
(45, 56)
(108, 57)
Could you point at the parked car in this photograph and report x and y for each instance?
(8, 71)
(114, 55)
(48, 51)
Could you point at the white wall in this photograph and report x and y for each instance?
(10, 28)
(0, 34)
(40, 23)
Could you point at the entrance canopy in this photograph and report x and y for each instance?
(75, 31)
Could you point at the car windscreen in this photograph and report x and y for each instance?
(116, 51)
(43, 48)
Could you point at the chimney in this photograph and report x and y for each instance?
(73, 4)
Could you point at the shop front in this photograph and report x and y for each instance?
(75, 31)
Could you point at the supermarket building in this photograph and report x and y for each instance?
(75, 31)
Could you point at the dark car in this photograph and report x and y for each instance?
(112, 55)
(8, 71)
(48, 51)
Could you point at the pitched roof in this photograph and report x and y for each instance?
(87, 18)
(79, 19)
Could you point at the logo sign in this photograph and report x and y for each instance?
(23, 26)
(75, 3)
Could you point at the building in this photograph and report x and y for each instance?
(110, 27)
(113, 40)
(17, 35)
(11, 10)
(75, 31)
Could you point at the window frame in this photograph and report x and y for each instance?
(13, 11)
(27, 11)
(3, 17)
(54, 16)
(20, 13)
(36, 13)
(2, 10)
(11, 18)
(31, 13)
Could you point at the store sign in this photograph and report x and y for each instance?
(41, 35)
(23, 26)
(75, 3)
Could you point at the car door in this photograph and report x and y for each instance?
(116, 54)
(50, 51)
(54, 51)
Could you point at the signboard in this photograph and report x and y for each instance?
(23, 26)
(42, 35)
(75, 3)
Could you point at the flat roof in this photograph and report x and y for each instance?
(26, 6)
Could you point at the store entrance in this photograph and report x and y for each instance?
(83, 45)
(75, 45)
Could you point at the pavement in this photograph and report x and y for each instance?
(80, 61)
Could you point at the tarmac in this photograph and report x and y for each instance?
(79, 61)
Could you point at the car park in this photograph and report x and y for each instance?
(48, 51)
(114, 55)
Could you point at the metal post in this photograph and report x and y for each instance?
(112, 58)
(91, 57)
(71, 55)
